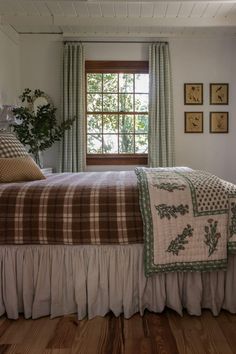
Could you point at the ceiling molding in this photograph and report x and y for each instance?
(130, 22)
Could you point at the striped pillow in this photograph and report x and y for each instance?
(15, 163)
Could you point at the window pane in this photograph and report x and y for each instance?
(141, 144)
(94, 103)
(110, 144)
(94, 123)
(126, 144)
(110, 82)
(94, 144)
(141, 103)
(126, 123)
(110, 103)
(126, 82)
(94, 82)
(141, 123)
(126, 102)
(110, 123)
(142, 83)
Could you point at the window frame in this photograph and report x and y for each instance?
(104, 66)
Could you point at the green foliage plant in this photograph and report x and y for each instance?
(38, 130)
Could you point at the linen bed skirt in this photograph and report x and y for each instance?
(93, 280)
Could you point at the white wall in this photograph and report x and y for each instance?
(206, 61)
(9, 68)
(41, 67)
(193, 60)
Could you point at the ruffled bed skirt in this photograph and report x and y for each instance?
(93, 280)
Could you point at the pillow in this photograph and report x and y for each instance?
(15, 163)
(10, 146)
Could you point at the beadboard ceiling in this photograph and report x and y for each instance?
(118, 18)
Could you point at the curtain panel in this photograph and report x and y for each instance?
(161, 118)
(73, 147)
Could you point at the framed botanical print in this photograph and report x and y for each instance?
(193, 122)
(219, 122)
(193, 94)
(219, 94)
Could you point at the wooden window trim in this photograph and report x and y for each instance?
(132, 67)
(103, 66)
(117, 159)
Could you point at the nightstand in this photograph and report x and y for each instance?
(47, 171)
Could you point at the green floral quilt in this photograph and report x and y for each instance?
(189, 219)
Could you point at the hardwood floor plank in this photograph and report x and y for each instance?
(36, 338)
(5, 324)
(165, 333)
(227, 324)
(189, 335)
(198, 334)
(16, 331)
(135, 336)
(91, 337)
(217, 340)
(4, 348)
(162, 338)
(115, 339)
(133, 327)
(57, 351)
(64, 333)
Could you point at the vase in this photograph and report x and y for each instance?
(38, 158)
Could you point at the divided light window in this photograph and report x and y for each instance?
(117, 112)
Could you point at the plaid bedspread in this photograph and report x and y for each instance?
(84, 208)
(189, 219)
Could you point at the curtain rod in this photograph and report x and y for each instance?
(115, 42)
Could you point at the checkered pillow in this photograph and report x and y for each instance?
(16, 169)
(10, 146)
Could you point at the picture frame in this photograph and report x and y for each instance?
(193, 122)
(219, 122)
(193, 94)
(219, 94)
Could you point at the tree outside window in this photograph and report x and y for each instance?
(117, 111)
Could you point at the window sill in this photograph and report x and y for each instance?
(125, 159)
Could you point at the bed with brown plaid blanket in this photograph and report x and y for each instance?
(83, 208)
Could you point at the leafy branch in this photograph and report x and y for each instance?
(178, 243)
(168, 211)
(232, 227)
(170, 187)
(211, 236)
(40, 130)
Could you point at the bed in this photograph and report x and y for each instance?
(73, 243)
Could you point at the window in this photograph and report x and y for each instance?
(117, 112)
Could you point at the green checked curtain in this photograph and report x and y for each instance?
(161, 120)
(74, 140)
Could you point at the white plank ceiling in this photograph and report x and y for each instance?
(120, 18)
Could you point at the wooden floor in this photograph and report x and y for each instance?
(166, 333)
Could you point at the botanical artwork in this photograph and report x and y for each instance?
(193, 122)
(219, 94)
(218, 122)
(193, 94)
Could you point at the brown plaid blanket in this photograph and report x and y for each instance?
(83, 208)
